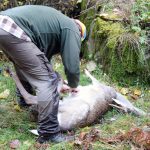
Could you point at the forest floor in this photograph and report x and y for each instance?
(15, 122)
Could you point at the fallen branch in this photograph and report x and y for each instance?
(103, 17)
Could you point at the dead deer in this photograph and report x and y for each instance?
(82, 109)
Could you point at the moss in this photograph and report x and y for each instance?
(86, 18)
(117, 50)
(105, 35)
(83, 4)
(114, 47)
(86, 4)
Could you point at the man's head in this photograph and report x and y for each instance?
(82, 29)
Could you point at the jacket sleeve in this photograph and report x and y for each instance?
(70, 50)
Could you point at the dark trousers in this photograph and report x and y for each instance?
(33, 67)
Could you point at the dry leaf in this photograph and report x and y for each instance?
(124, 91)
(41, 146)
(14, 144)
(6, 74)
(82, 135)
(137, 92)
(77, 142)
(140, 137)
(94, 135)
(85, 139)
(135, 97)
(17, 108)
(4, 94)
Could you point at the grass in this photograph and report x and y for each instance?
(15, 123)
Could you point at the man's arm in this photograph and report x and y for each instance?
(70, 50)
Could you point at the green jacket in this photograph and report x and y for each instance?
(52, 32)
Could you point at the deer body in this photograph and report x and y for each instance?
(86, 106)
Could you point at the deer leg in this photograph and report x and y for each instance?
(128, 106)
(29, 99)
(94, 80)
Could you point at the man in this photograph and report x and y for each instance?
(30, 36)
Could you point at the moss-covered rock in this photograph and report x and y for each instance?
(112, 44)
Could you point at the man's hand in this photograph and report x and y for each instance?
(65, 89)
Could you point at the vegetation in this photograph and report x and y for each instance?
(118, 42)
(118, 39)
(15, 122)
(117, 34)
(67, 6)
